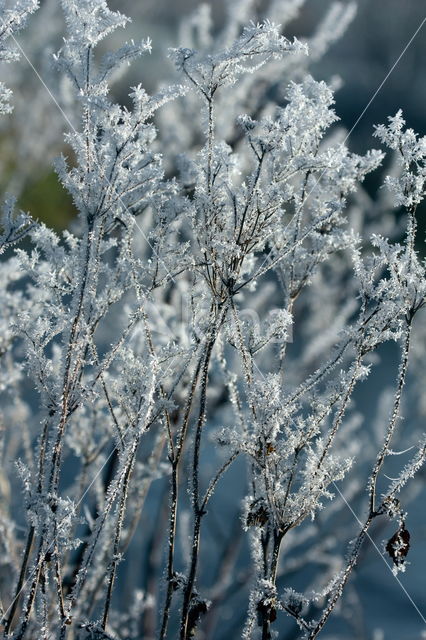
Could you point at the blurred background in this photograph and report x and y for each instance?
(361, 59)
(381, 608)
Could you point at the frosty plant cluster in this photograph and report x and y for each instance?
(179, 370)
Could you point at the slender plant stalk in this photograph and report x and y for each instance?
(175, 457)
(116, 545)
(21, 580)
(338, 590)
(393, 419)
(198, 511)
(31, 533)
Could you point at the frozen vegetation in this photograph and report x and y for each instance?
(179, 370)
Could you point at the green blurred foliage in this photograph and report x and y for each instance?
(46, 200)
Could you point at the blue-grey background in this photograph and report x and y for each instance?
(362, 58)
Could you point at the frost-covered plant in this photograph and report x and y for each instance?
(13, 16)
(157, 333)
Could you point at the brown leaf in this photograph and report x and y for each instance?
(399, 545)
